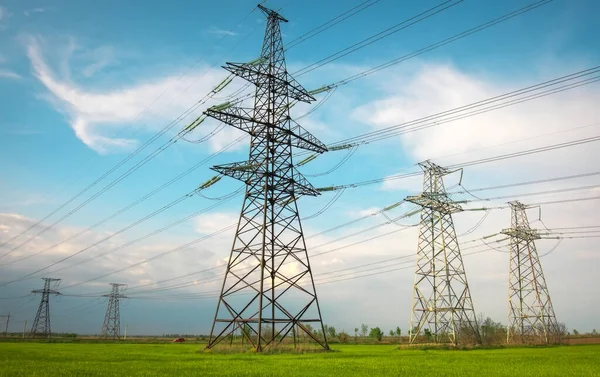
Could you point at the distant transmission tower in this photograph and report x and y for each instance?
(268, 291)
(41, 323)
(530, 314)
(7, 316)
(442, 305)
(111, 328)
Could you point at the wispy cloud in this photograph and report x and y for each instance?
(4, 16)
(4, 73)
(22, 131)
(101, 58)
(436, 88)
(94, 113)
(223, 32)
(29, 12)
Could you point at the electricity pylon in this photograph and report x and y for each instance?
(7, 316)
(41, 323)
(530, 313)
(442, 302)
(111, 328)
(268, 290)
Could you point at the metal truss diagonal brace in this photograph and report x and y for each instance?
(303, 139)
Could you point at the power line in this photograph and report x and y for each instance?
(160, 255)
(439, 118)
(164, 208)
(526, 183)
(511, 155)
(148, 235)
(562, 201)
(483, 26)
(329, 24)
(126, 208)
(534, 193)
(138, 150)
(313, 255)
(145, 110)
(319, 280)
(61, 207)
(470, 163)
(405, 215)
(444, 42)
(378, 36)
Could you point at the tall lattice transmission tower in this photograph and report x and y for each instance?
(41, 323)
(268, 291)
(442, 306)
(111, 328)
(530, 314)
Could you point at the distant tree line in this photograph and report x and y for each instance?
(491, 333)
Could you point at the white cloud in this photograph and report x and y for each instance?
(223, 32)
(101, 58)
(29, 12)
(94, 114)
(570, 115)
(11, 224)
(436, 88)
(9, 74)
(4, 16)
(210, 223)
(6, 73)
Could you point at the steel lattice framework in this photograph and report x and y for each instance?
(111, 328)
(530, 314)
(442, 302)
(268, 291)
(41, 323)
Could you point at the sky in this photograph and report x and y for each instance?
(85, 84)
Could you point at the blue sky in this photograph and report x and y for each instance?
(82, 84)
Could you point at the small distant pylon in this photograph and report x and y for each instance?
(442, 302)
(530, 314)
(111, 328)
(41, 323)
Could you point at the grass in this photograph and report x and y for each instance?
(94, 359)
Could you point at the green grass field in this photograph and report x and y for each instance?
(88, 359)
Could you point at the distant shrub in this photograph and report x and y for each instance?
(343, 337)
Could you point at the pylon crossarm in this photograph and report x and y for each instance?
(241, 171)
(242, 119)
(286, 86)
(526, 234)
(238, 117)
(305, 140)
(440, 203)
